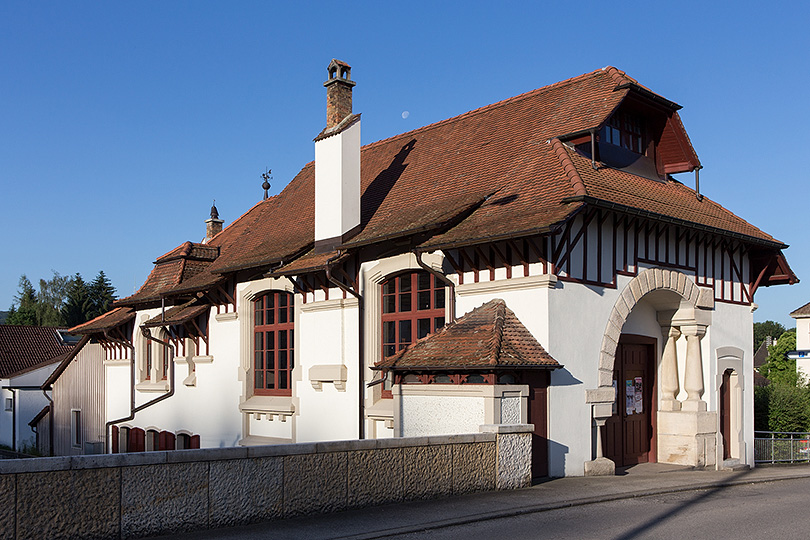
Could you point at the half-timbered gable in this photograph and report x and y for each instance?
(557, 206)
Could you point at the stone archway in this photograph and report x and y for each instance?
(647, 281)
(692, 326)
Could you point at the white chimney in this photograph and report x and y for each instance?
(337, 163)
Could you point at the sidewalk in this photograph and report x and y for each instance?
(382, 521)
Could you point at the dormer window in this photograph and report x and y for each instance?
(625, 130)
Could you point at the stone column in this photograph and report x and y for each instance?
(601, 400)
(669, 371)
(693, 377)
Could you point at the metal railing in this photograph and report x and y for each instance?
(781, 447)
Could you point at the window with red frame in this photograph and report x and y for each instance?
(273, 338)
(625, 130)
(413, 306)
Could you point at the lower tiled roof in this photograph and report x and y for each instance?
(107, 321)
(25, 347)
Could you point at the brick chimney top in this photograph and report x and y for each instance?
(338, 92)
(213, 226)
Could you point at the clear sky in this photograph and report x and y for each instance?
(121, 122)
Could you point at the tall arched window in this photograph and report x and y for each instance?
(273, 338)
(413, 306)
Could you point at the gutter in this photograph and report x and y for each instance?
(447, 281)
(107, 425)
(148, 335)
(50, 421)
(361, 357)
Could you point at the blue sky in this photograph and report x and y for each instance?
(121, 122)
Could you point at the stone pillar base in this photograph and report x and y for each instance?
(693, 405)
(669, 405)
(687, 438)
(600, 467)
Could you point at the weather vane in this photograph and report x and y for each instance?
(266, 183)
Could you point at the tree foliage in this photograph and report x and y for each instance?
(61, 300)
(78, 307)
(764, 329)
(102, 294)
(781, 407)
(778, 367)
(24, 309)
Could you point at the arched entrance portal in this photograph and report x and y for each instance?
(668, 424)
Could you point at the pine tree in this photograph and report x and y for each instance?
(25, 311)
(78, 306)
(102, 294)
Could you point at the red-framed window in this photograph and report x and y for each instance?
(413, 306)
(273, 339)
(625, 130)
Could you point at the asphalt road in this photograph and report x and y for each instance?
(768, 510)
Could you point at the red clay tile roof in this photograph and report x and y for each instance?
(26, 347)
(488, 337)
(176, 267)
(178, 314)
(111, 319)
(494, 172)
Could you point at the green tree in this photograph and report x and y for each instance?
(51, 297)
(102, 294)
(24, 309)
(78, 305)
(788, 408)
(765, 329)
(778, 367)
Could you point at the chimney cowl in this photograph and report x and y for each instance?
(338, 92)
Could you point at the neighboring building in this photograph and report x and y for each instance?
(75, 421)
(760, 357)
(629, 294)
(802, 352)
(28, 355)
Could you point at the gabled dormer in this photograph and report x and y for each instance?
(643, 135)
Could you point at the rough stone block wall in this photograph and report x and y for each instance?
(151, 493)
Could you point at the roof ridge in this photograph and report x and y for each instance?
(488, 107)
(568, 166)
(500, 321)
(618, 76)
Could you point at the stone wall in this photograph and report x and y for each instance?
(135, 495)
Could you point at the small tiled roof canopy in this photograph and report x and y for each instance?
(27, 347)
(506, 170)
(489, 337)
(107, 321)
(178, 314)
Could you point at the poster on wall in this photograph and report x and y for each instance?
(630, 397)
(639, 404)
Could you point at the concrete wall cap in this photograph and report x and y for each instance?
(507, 428)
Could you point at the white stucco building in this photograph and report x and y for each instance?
(28, 356)
(559, 202)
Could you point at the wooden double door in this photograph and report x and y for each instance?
(629, 436)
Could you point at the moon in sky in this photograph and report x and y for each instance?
(405, 114)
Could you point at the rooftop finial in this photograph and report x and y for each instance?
(266, 183)
(214, 212)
